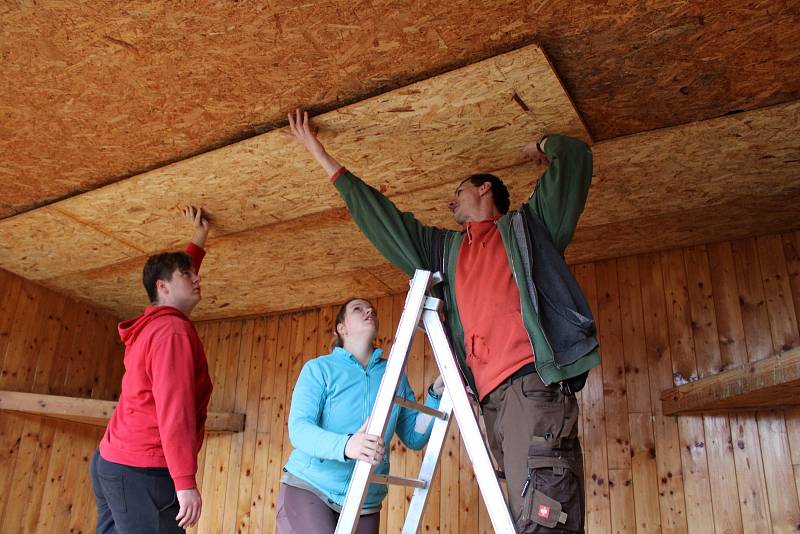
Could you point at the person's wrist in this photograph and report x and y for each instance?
(317, 149)
(346, 443)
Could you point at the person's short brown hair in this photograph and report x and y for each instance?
(161, 267)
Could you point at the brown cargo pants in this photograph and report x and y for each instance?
(533, 434)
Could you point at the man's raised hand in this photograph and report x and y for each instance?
(194, 216)
(532, 152)
(302, 131)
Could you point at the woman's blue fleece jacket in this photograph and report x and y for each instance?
(333, 397)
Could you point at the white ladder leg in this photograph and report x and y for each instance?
(359, 481)
(468, 426)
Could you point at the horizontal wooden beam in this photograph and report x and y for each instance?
(773, 382)
(95, 412)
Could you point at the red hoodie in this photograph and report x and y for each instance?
(160, 418)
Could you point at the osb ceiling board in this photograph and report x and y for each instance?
(224, 299)
(45, 243)
(716, 180)
(287, 266)
(729, 160)
(92, 92)
(235, 283)
(697, 165)
(694, 166)
(743, 217)
(431, 132)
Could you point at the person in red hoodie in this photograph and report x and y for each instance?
(143, 473)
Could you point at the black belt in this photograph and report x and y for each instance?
(526, 369)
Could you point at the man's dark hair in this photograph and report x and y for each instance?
(161, 267)
(499, 190)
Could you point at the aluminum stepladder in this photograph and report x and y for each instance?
(454, 401)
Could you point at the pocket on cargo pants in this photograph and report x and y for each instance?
(553, 492)
(551, 413)
(535, 414)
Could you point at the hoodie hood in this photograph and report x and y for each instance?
(470, 227)
(130, 329)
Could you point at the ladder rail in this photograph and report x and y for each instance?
(359, 480)
(454, 402)
(471, 436)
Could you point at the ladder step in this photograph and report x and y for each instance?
(398, 481)
(432, 303)
(419, 407)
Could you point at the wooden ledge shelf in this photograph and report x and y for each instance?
(96, 412)
(773, 382)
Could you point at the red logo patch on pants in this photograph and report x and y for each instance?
(544, 511)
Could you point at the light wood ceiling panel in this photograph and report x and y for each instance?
(726, 161)
(744, 217)
(307, 263)
(747, 183)
(45, 243)
(431, 132)
(283, 241)
(697, 165)
(223, 298)
(93, 92)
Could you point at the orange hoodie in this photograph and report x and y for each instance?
(489, 306)
(160, 418)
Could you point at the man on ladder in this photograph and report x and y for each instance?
(520, 326)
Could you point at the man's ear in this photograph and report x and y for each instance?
(484, 188)
(161, 287)
(340, 329)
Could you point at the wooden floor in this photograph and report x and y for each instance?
(678, 315)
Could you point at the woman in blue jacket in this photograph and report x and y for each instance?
(331, 402)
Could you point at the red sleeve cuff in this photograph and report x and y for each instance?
(337, 174)
(197, 254)
(184, 483)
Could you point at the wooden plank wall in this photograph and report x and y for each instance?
(51, 344)
(676, 315)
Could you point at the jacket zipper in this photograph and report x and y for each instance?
(366, 393)
(527, 334)
(539, 324)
